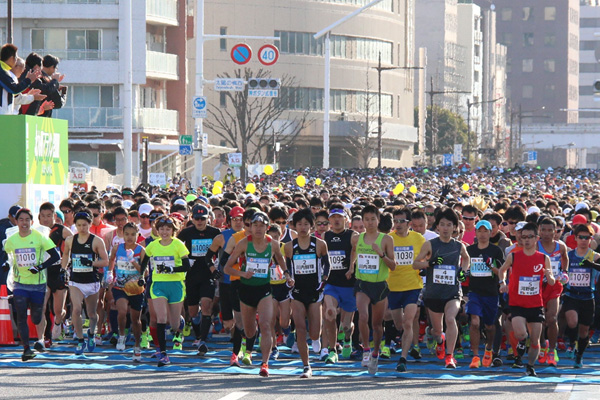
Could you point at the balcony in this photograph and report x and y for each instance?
(64, 1)
(161, 65)
(63, 9)
(152, 120)
(78, 55)
(162, 12)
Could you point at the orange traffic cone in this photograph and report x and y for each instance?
(6, 331)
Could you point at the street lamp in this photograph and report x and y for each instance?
(469, 105)
(379, 68)
(327, 87)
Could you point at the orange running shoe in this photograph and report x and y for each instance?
(475, 363)
(264, 370)
(487, 358)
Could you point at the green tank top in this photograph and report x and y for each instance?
(259, 263)
(369, 266)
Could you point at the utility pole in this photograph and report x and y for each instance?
(145, 160)
(469, 105)
(9, 22)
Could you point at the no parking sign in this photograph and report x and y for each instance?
(241, 53)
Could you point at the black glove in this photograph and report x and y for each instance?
(463, 275)
(164, 269)
(423, 272)
(87, 262)
(6, 267)
(34, 269)
(215, 275)
(445, 191)
(141, 282)
(437, 261)
(64, 276)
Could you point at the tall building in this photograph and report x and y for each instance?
(589, 61)
(386, 31)
(543, 58)
(87, 36)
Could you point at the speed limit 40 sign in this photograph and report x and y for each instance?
(268, 54)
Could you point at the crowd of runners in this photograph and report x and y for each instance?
(496, 265)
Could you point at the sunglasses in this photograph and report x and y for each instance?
(504, 224)
(584, 237)
(512, 222)
(165, 221)
(200, 217)
(66, 211)
(429, 214)
(323, 223)
(526, 237)
(400, 221)
(281, 222)
(144, 216)
(247, 224)
(457, 232)
(237, 218)
(96, 215)
(469, 218)
(559, 229)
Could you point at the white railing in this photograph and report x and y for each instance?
(162, 9)
(161, 64)
(156, 119)
(65, 1)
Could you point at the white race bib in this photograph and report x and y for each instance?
(404, 255)
(368, 263)
(529, 285)
(479, 269)
(200, 247)
(260, 266)
(167, 261)
(555, 266)
(336, 259)
(76, 263)
(444, 274)
(305, 264)
(26, 258)
(579, 277)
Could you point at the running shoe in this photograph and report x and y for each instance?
(290, 340)
(56, 331)
(487, 358)
(578, 361)
(274, 354)
(28, 354)
(460, 353)
(324, 354)
(295, 349)
(121, 343)
(156, 354)
(202, 348)
(306, 372)
(510, 356)
(475, 362)
(386, 353)
(347, 350)
(47, 343)
(332, 358)
(365, 359)
(80, 348)
(178, 341)
(113, 339)
(91, 345)
(415, 352)
(440, 348)
(450, 361)
(570, 353)
(466, 334)
(530, 371)
(401, 366)
(144, 342)
(137, 354)
(233, 361)
(97, 340)
(316, 346)
(39, 346)
(187, 329)
(497, 361)
(247, 360)
(430, 341)
(264, 370)
(372, 367)
(561, 345)
(163, 360)
(196, 342)
(552, 358)
(595, 336)
(543, 356)
(518, 363)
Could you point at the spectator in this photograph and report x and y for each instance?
(49, 84)
(8, 85)
(29, 95)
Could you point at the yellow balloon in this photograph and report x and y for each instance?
(318, 181)
(300, 181)
(413, 189)
(465, 187)
(399, 188)
(219, 184)
(251, 188)
(217, 190)
(268, 169)
(396, 191)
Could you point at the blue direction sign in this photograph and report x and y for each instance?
(241, 53)
(185, 149)
(447, 160)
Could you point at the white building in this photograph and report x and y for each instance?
(589, 61)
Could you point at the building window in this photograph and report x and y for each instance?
(527, 13)
(223, 42)
(587, 45)
(528, 65)
(476, 76)
(223, 99)
(549, 13)
(506, 14)
(528, 39)
(506, 39)
(550, 65)
(477, 50)
(83, 44)
(549, 40)
(527, 92)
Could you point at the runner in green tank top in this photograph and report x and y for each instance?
(373, 257)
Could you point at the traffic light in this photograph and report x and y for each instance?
(264, 84)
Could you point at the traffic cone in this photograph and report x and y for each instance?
(6, 331)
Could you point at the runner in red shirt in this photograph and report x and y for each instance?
(529, 267)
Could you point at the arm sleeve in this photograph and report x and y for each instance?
(325, 263)
(209, 258)
(185, 265)
(144, 264)
(289, 263)
(54, 258)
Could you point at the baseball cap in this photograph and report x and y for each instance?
(145, 208)
(202, 198)
(260, 217)
(337, 211)
(60, 215)
(485, 224)
(533, 209)
(580, 206)
(127, 204)
(155, 214)
(579, 219)
(199, 211)
(181, 202)
(13, 211)
(520, 225)
(236, 211)
(24, 210)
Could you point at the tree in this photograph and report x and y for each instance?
(360, 138)
(252, 125)
(451, 129)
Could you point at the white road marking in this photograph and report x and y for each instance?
(564, 387)
(234, 396)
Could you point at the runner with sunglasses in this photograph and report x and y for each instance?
(87, 255)
(169, 261)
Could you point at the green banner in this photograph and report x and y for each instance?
(34, 150)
